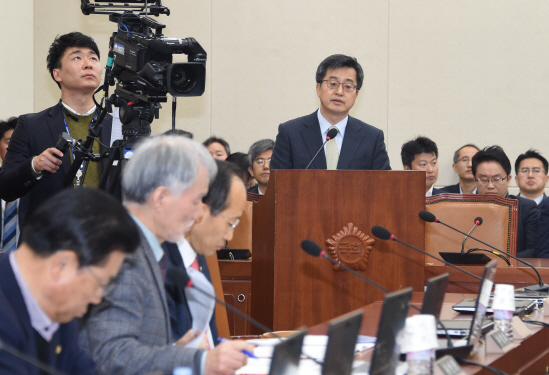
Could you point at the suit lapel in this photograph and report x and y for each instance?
(56, 125)
(312, 138)
(351, 142)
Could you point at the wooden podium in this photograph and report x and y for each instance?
(291, 288)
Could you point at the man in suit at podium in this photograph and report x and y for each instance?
(357, 145)
(492, 170)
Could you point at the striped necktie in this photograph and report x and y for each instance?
(9, 240)
(332, 153)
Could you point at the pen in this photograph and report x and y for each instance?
(251, 355)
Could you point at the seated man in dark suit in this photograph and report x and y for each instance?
(260, 160)
(543, 229)
(224, 204)
(421, 154)
(531, 178)
(71, 249)
(73, 63)
(492, 170)
(463, 163)
(357, 145)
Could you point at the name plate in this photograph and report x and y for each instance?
(447, 365)
(497, 342)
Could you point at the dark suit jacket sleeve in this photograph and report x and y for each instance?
(282, 152)
(530, 221)
(381, 158)
(16, 178)
(543, 229)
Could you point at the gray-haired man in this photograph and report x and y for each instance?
(260, 161)
(163, 186)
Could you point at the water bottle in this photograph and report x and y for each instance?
(503, 320)
(420, 363)
(182, 371)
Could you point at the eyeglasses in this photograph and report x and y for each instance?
(495, 180)
(534, 170)
(333, 84)
(464, 159)
(233, 224)
(107, 288)
(261, 162)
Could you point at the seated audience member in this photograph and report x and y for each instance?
(6, 130)
(543, 229)
(260, 158)
(241, 160)
(10, 219)
(218, 148)
(130, 333)
(531, 177)
(421, 154)
(71, 249)
(223, 206)
(463, 162)
(492, 171)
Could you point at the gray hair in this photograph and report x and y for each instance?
(166, 160)
(259, 147)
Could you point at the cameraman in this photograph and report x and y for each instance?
(73, 62)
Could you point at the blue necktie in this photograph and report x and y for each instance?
(9, 240)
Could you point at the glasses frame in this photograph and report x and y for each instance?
(262, 162)
(105, 288)
(232, 225)
(339, 84)
(535, 171)
(498, 182)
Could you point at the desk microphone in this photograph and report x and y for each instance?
(29, 360)
(331, 135)
(179, 277)
(541, 287)
(478, 221)
(384, 234)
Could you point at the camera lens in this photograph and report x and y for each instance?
(181, 79)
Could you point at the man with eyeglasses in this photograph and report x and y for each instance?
(531, 177)
(71, 249)
(357, 145)
(463, 162)
(260, 159)
(492, 171)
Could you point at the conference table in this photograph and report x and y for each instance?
(529, 356)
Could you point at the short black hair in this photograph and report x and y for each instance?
(240, 159)
(87, 221)
(219, 188)
(60, 45)
(491, 153)
(221, 141)
(415, 147)
(340, 61)
(7, 125)
(531, 154)
(456, 154)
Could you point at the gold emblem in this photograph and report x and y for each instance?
(58, 349)
(351, 247)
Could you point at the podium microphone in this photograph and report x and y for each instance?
(331, 135)
(541, 287)
(384, 234)
(29, 360)
(478, 221)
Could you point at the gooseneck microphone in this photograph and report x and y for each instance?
(478, 221)
(331, 135)
(384, 234)
(312, 248)
(541, 287)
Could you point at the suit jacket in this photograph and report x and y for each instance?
(33, 134)
(438, 191)
(298, 141)
(454, 189)
(543, 229)
(527, 236)
(180, 315)
(254, 189)
(16, 331)
(129, 332)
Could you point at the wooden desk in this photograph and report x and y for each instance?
(530, 356)
(519, 276)
(236, 278)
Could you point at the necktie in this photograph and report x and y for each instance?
(194, 264)
(332, 153)
(9, 240)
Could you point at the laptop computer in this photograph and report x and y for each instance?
(521, 306)
(392, 320)
(340, 351)
(434, 295)
(286, 355)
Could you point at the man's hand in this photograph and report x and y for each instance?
(190, 336)
(226, 358)
(48, 160)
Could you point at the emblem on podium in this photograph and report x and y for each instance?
(350, 246)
